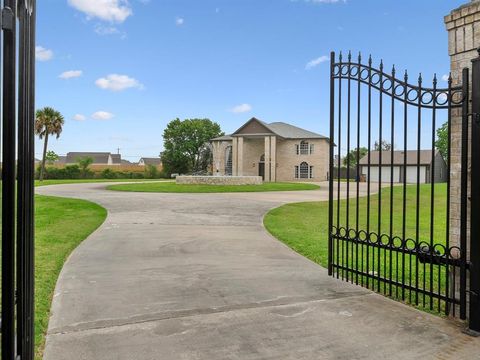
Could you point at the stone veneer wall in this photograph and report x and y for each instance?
(463, 26)
(219, 180)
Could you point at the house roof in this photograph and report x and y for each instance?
(280, 129)
(116, 159)
(98, 157)
(399, 157)
(223, 138)
(151, 161)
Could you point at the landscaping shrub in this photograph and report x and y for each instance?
(101, 172)
(108, 174)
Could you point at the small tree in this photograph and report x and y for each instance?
(48, 122)
(51, 157)
(442, 140)
(354, 156)
(84, 163)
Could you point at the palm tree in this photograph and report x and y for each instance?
(48, 122)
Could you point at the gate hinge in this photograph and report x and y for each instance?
(7, 20)
(475, 116)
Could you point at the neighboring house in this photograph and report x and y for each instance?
(99, 158)
(150, 161)
(400, 172)
(275, 151)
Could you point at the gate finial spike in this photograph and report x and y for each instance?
(420, 79)
(435, 81)
(340, 57)
(370, 60)
(349, 56)
(406, 76)
(393, 70)
(359, 57)
(450, 80)
(381, 65)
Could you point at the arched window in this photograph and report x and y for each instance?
(228, 160)
(304, 171)
(304, 148)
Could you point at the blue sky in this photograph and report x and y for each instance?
(119, 71)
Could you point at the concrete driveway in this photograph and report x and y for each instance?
(196, 276)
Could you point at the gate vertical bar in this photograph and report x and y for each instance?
(474, 312)
(464, 195)
(331, 169)
(8, 190)
(25, 200)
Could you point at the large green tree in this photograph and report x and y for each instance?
(442, 140)
(354, 156)
(48, 121)
(186, 145)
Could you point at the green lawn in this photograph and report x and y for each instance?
(304, 228)
(171, 187)
(79, 181)
(61, 224)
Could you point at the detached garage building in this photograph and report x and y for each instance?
(399, 169)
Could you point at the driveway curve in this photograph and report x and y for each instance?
(196, 276)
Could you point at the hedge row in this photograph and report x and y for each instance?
(75, 172)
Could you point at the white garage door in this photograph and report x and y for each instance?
(412, 174)
(386, 173)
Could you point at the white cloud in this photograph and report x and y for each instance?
(179, 21)
(70, 74)
(242, 108)
(116, 82)
(106, 30)
(42, 54)
(79, 117)
(109, 10)
(315, 62)
(445, 77)
(102, 115)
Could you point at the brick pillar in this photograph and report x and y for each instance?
(267, 158)
(463, 26)
(273, 157)
(235, 156)
(240, 157)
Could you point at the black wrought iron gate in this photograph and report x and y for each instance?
(393, 227)
(17, 50)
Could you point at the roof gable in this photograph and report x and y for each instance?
(252, 127)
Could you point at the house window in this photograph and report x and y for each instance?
(296, 172)
(312, 148)
(304, 148)
(304, 171)
(311, 172)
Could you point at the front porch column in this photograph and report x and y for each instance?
(235, 156)
(273, 156)
(240, 157)
(267, 158)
